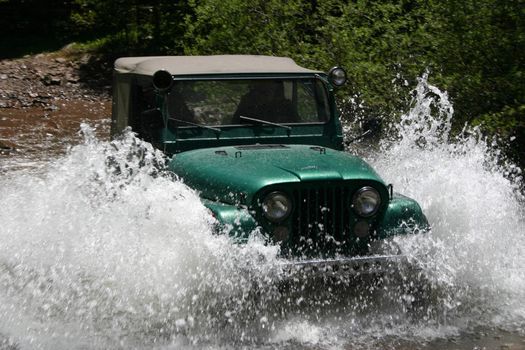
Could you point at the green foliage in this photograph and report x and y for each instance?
(481, 45)
(505, 122)
(118, 21)
(508, 125)
(132, 27)
(265, 27)
(382, 45)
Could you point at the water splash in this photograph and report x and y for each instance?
(471, 195)
(103, 245)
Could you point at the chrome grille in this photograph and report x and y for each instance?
(321, 213)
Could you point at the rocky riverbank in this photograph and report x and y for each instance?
(45, 97)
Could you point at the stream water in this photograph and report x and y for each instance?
(100, 249)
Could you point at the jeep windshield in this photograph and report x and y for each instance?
(247, 102)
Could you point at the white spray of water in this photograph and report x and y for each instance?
(103, 245)
(472, 199)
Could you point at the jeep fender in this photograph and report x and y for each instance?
(402, 216)
(233, 220)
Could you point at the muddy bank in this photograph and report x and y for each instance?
(45, 98)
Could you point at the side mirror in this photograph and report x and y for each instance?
(162, 80)
(337, 76)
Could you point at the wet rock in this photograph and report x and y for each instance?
(51, 124)
(41, 75)
(51, 108)
(51, 80)
(7, 146)
(56, 81)
(72, 79)
(37, 80)
(40, 102)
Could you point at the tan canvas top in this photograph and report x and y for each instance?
(221, 64)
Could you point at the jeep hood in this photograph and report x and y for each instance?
(234, 174)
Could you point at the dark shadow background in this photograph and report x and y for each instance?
(33, 26)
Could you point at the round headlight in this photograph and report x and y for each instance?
(276, 206)
(366, 201)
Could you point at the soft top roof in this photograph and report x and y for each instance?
(220, 64)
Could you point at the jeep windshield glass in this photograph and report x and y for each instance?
(264, 122)
(223, 102)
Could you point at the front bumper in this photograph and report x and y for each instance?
(351, 267)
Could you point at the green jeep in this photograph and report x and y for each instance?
(260, 140)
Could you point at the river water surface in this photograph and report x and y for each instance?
(100, 249)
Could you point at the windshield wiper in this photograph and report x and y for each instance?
(195, 124)
(264, 122)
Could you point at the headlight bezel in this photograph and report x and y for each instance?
(361, 193)
(273, 195)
